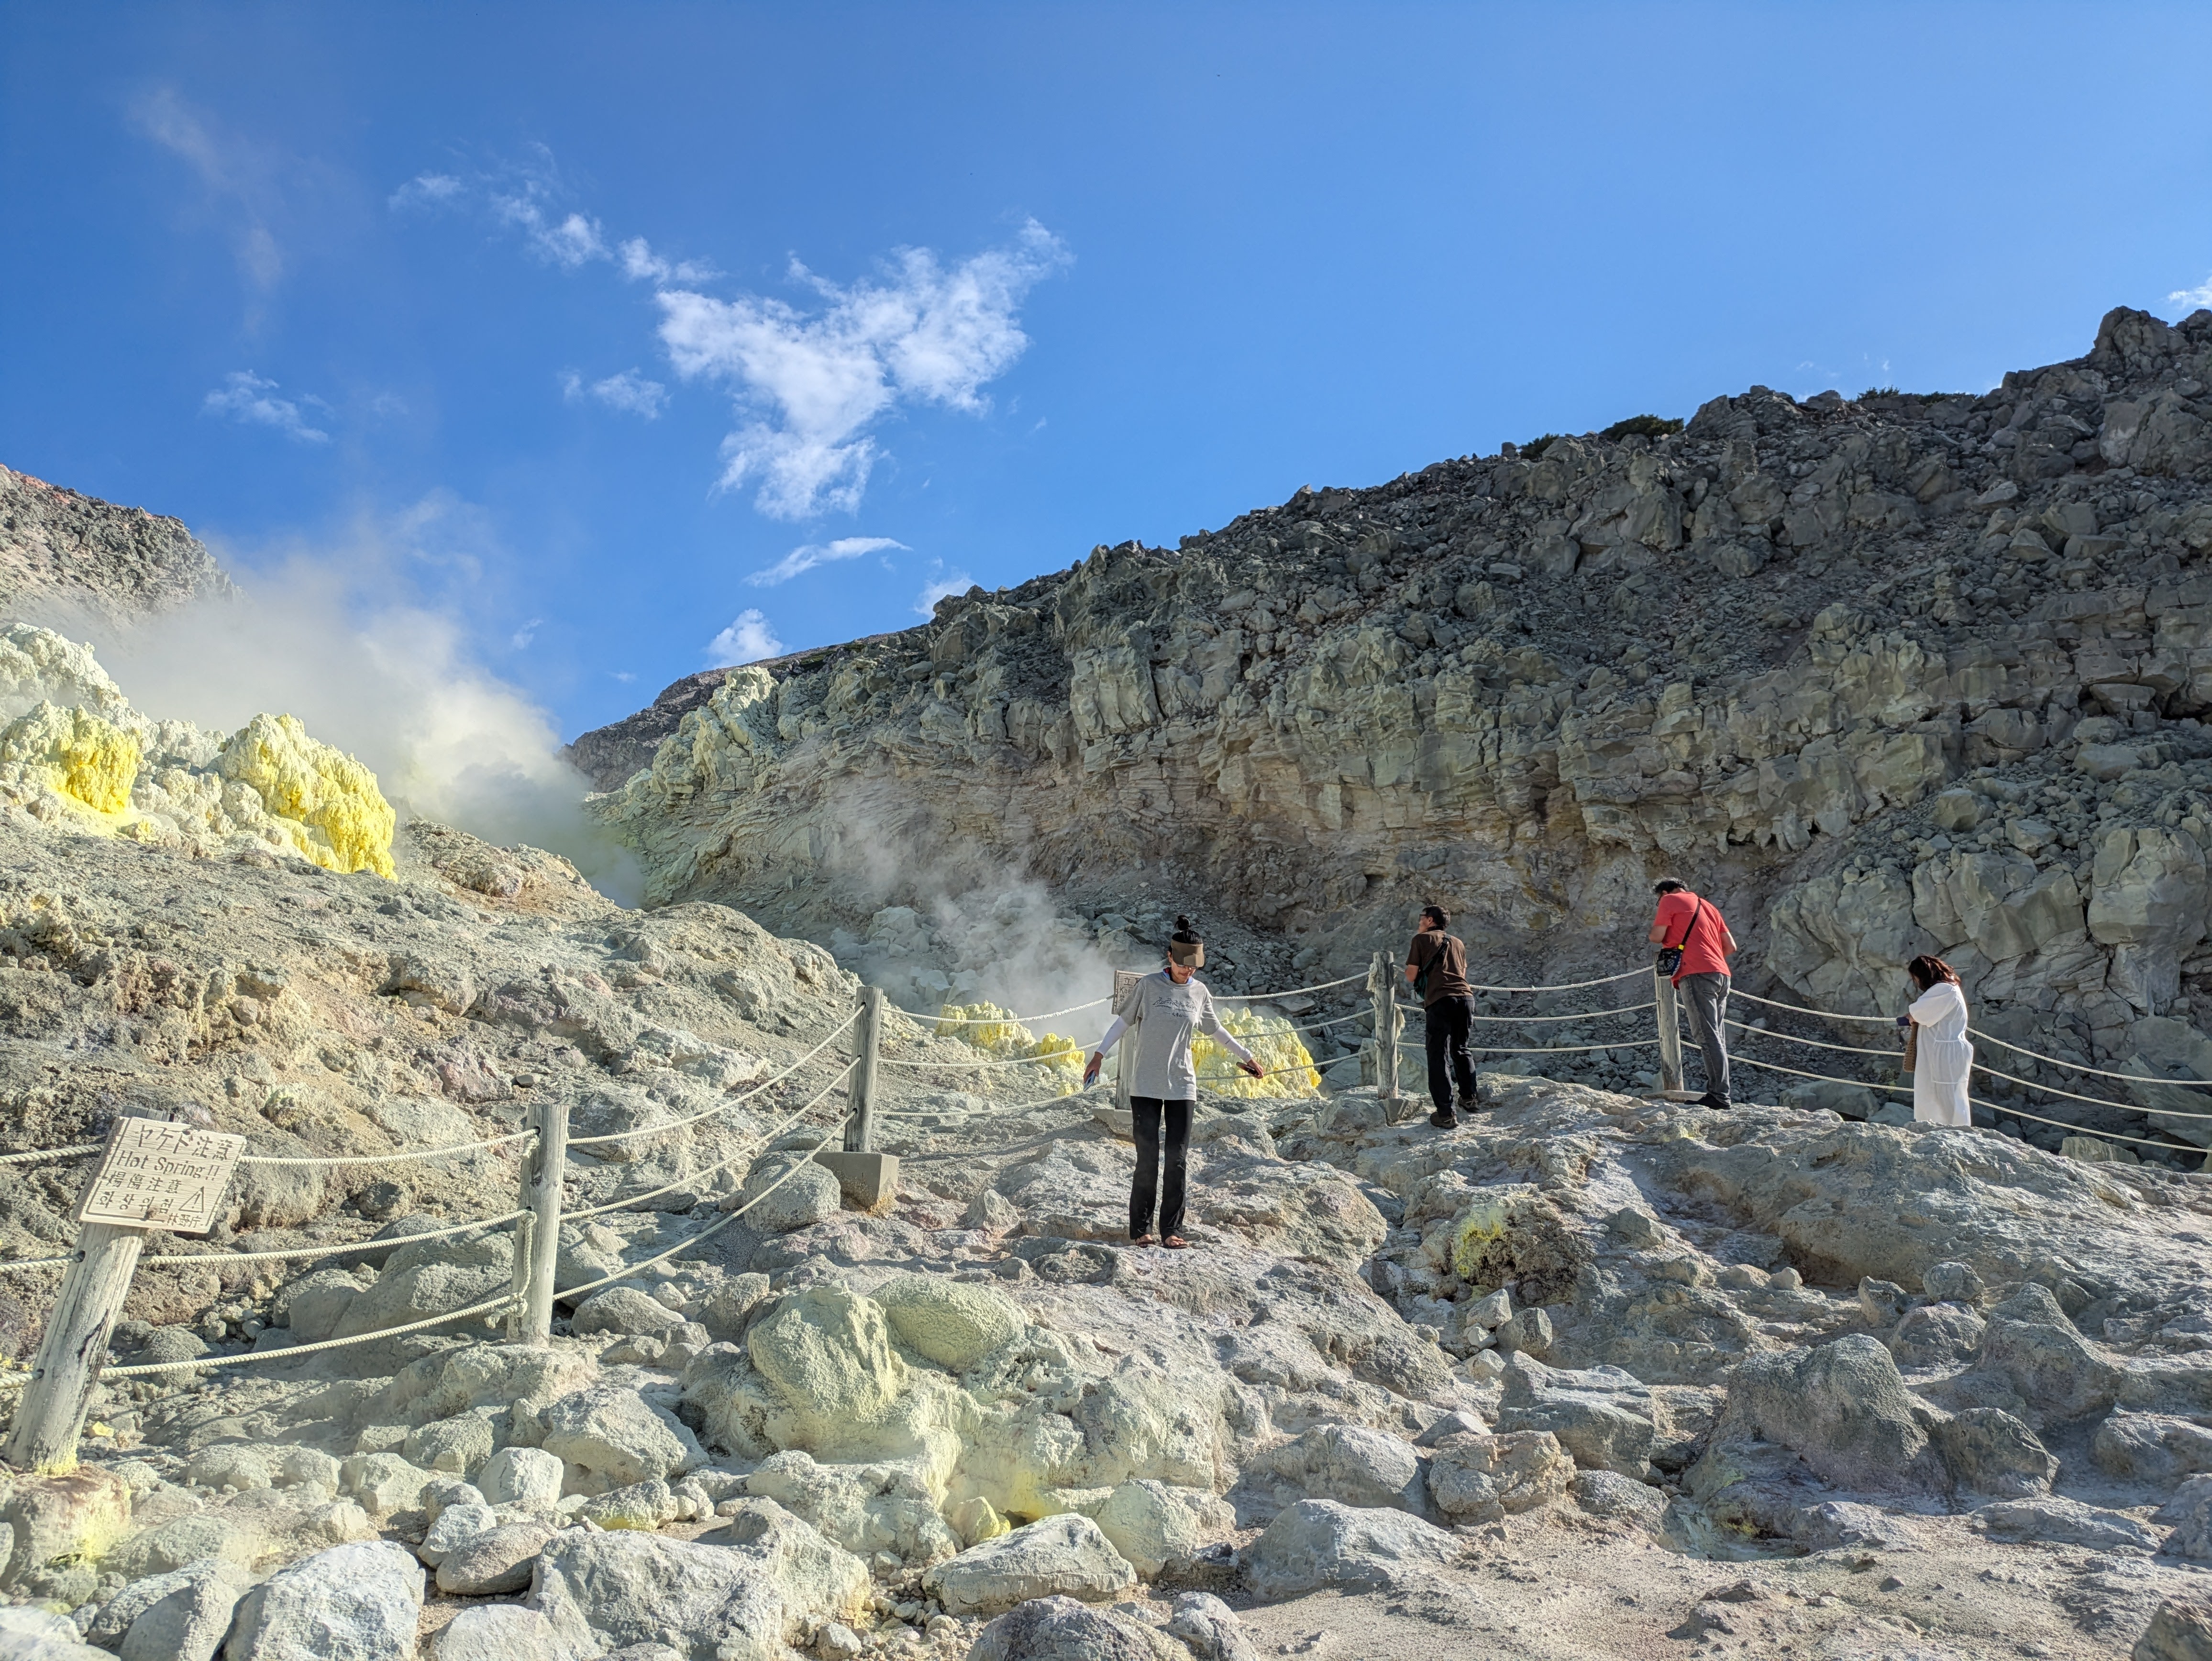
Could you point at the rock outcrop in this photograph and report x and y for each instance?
(1884, 676)
(64, 556)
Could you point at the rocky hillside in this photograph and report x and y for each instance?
(1883, 676)
(62, 554)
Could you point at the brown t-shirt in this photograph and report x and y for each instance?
(1448, 979)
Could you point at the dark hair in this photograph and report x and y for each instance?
(1668, 886)
(1442, 916)
(1926, 971)
(1186, 931)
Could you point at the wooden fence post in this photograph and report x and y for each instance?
(1392, 1023)
(867, 1036)
(537, 1236)
(50, 1416)
(1670, 1035)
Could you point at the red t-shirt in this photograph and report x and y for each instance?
(1701, 952)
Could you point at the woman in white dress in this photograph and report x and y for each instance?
(1943, 1056)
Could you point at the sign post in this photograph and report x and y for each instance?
(153, 1174)
(866, 1177)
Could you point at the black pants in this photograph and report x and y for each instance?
(1449, 1021)
(1146, 1110)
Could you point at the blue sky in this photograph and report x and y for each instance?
(601, 328)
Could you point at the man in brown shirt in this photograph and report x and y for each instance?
(1436, 962)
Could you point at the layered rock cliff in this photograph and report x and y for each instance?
(63, 555)
(1887, 675)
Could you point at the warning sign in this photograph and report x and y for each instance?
(161, 1175)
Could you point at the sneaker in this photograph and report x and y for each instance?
(1718, 1103)
(1443, 1121)
(1471, 1106)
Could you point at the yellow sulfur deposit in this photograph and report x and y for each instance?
(74, 754)
(1269, 1038)
(1481, 1224)
(995, 1032)
(325, 803)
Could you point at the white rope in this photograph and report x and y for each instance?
(996, 1061)
(2099, 1135)
(691, 1178)
(31, 1156)
(1545, 1049)
(1819, 1015)
(1564, 986)
(291, 1352)
(994, 1020)
(1588, 1015)
(2098, 1072)
(392, 1243)
(38, 1262)
(1798, 1072)
(388, 1158)
(1847, 1048)
(834, 1034)
(1294, 992)
(2094, 1101)
(1333, 1020)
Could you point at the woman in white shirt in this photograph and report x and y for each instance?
(1943, 1057)
(1164, 1011)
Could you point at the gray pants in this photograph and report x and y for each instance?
(1704, 999)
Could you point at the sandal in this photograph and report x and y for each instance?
(1175, 1243)
(1140, 1239)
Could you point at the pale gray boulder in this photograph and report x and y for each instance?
(522, 1476)
(2181, 1630)
(1936, 1335)
(36, 1634)
(804, 1196)
(354, 1602)
(2190, 1511)
(625, 1311)
(1065, 1555)
(499, 1632)
(1477, 1478)
(182, 1615)
(497, 1560)
(1349, 1463)
(730, 1596)
(1951, 1283)
(1988, 1451)
(1619, 1498)
(1210, 1629)
(2151, 1447)
(1842, 1408)
(454, 1528)
(2031, 1345)
(1601, 1415)
(1319, 1542)
(456, 1445)
(1062, 1629)
(610, 1437)
(1153, 1524)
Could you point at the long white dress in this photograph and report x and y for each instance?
(1944, 1058)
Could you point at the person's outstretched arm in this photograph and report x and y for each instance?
(1098, 1057)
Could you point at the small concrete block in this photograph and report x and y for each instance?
(868, 1179)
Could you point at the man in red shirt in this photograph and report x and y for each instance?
(1696, 926)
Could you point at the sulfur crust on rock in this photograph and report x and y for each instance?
(1289, 1065)
(76, 753)
(995, 1032)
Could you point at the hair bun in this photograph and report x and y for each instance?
(1183, 922)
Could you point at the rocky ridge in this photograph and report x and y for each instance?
(64, 555)
(1884, 675)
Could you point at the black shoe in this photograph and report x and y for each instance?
(1718, 1103)
(1471, 1106)
(1443, 1121)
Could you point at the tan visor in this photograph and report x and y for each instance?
(1190, 957)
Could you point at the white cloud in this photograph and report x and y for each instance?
(624, 676)
(747, 639)
(230, 170)
(627, 391)
(818, 553)
(427, 190)
(814, 384)
(247, 399)
(527, 633)
(941, 582)
(640, 265)
(2193, 298)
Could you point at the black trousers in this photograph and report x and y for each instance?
(1449, 1021)
(1146, 1190)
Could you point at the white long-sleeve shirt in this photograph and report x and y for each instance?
(1165, 1018)
(1943, 1053)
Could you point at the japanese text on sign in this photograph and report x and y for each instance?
(160, 1175)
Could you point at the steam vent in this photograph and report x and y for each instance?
(748, 1273)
